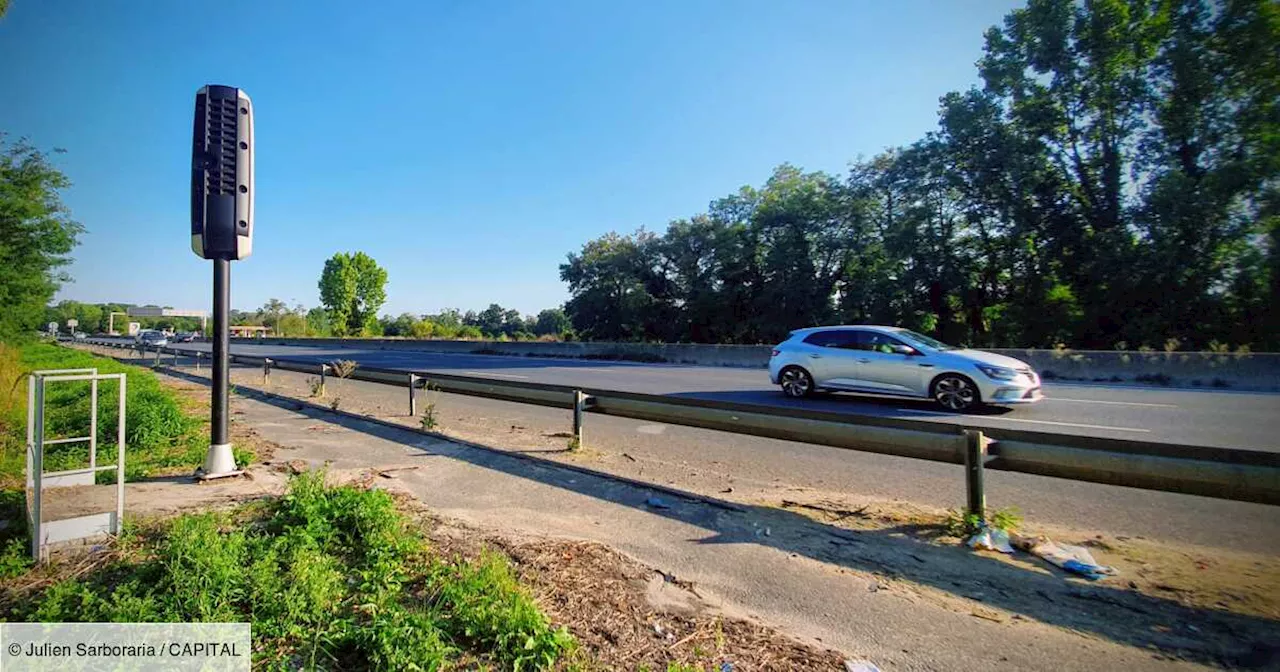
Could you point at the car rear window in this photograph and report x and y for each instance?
(831, 339)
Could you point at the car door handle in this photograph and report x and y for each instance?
(926, 366)
(814, 355)
(863, 360)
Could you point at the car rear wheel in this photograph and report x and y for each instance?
(955, 393)
(796, 382)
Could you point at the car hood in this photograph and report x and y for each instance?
(988, 358)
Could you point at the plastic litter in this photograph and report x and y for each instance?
(860, 666)
(726, 667)
(656, 503)
(991, 539)
(1074, 559)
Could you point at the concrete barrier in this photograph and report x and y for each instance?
(1254, 371)
(741, 356)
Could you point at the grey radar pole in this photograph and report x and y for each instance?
(222, 231)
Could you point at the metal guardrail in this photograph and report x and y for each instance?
(1223, 473)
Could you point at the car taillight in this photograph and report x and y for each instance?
(776, 353)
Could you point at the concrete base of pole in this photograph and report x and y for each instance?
(219, 462)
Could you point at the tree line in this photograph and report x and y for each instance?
(1113, 183)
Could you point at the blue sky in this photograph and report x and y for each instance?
(467, 145)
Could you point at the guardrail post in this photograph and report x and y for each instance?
(413, 398)
(975, 454)
(579, 406)
(266, 371)
(156, 363)
(324, 371)
(198, 356)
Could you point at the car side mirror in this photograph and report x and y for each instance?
(905, 350)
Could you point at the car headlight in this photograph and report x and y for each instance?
(997, 372)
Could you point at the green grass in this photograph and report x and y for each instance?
(963, 524)
(330, 577)
(159, 435)
(163, 433)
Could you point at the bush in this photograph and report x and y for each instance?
(333, 577)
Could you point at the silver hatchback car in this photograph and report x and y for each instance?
(888, 360)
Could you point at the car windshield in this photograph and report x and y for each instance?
(921, 339)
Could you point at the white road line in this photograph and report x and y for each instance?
(1114, 403)
(495, 375)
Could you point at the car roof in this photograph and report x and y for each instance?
(845, 327)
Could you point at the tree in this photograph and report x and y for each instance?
(319, 323)
(291, 324)
(552, 321)
(352, 289)
(491, 320)
(36, 236)
(400, 326)
(273, 310)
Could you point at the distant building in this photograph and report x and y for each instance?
(249, 331)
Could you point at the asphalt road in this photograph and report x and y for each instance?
(1199, 417)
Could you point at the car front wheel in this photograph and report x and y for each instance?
(795, 382)
(955, 393)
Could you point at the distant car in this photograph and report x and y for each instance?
(79, 335)
(899, 362)
(184, 338)
(152, 338)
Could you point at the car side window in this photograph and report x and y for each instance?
(845, 340)
(832, 339)
(873, 341)
(822, 339)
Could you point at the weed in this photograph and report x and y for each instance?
(1172, 344)
(573, 445)
(429, 421)
(15, 559)
(316, 386)
(335, 403)
(958, 524)
(1008, 519)
(482, 604)
(962, 524)
(329, 577)
(343, 368)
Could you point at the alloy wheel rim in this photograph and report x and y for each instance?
(954, 393)
(795, 383)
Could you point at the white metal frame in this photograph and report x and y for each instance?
(45, 532)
